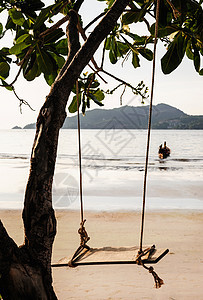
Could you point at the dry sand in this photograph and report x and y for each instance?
(181, 269)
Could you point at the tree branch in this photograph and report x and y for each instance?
(93, 21)
(84, 55)
(22, 101)
(54, 27)
(73, 40)
(78, 4)
(97, 72)
(82, 32)
(123, 82)
(26, 56)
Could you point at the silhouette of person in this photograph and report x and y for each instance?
(166, 151)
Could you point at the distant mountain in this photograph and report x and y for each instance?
(130, 117)
(30, 126)
(17, 127)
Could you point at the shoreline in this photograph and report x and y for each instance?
(110, 203)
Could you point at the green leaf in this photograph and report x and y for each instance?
(17, 48)
(137, 14)
(201, 72)
(4, 52)
(1, 29)
(44, 62)
(53, 36)
(196, 58)
(95, 84)
(22, 38)
(131, 17)
(108, 43)
(94, 98)
(4, 70)
(135, 37)
(112, 57)
(62, 47)
(113, 50)
(189, 52)
(10, 24)
(163, 31)
(122, 47)
(99, 95)
(90, 79)
(60, 60)
(146, 53)
(135, 60)
(84, 104)
(134, 49)
(9, 88)
(31, 70)
(73, 106)
(50, 77)
(42, 17)
(16, 16)
(29, 7)
(173, 57)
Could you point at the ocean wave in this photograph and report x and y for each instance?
(187, 159)
(13, 156)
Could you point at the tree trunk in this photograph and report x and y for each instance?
(25, 272)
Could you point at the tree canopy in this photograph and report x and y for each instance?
(40, 45)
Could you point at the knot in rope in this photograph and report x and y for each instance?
(84, 238)
(158, 281)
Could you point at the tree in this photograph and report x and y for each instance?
(40, 48)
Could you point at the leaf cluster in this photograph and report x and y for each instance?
(186, 32)
(39, 47)
(180, 26)
(88, 89)
(121, 43)
(37, 50)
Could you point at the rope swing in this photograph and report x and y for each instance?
(149, 126)
(85, 255)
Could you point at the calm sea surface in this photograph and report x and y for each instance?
(113, 168)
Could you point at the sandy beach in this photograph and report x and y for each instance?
(181, 269)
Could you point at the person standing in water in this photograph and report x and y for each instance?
(164, 152)
(167, 150)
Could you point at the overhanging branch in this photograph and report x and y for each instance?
(86, 52)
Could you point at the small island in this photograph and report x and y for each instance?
(17, 127)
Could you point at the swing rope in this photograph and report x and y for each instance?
(84, 238)
(149, 127)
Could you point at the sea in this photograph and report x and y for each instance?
(113, 163)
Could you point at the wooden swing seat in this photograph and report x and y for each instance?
(113, 255)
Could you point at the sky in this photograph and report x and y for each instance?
(182, 88)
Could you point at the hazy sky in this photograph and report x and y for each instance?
(182, 88)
